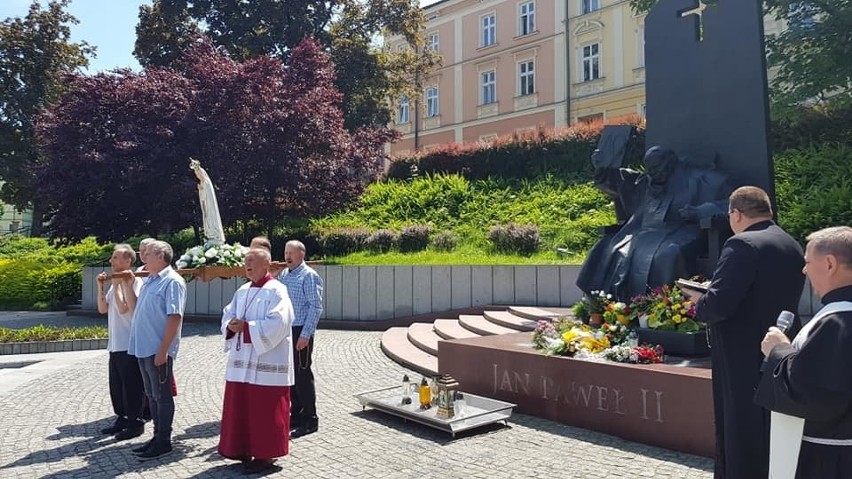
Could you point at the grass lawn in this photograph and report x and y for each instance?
(461, 256)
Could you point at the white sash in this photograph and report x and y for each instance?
(786, 432)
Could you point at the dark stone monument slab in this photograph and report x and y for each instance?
(706, 85)
(659, 404)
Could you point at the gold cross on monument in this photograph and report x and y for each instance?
(699, 16)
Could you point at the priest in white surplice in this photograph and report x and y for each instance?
(257, 326)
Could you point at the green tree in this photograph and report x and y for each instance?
(813, 55)
(366, 75)
(35, 54)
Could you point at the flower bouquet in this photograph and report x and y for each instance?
(565, 337)
(635, 354)
(669, 310)
(598, 302)
(214, 261)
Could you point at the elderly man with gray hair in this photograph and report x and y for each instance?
(125, 381)
(810, 378)
(154, 340)
(304, 286)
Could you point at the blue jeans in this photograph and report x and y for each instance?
(158, 388)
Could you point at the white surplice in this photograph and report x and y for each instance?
(267, 360)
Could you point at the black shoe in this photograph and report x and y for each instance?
(310, 427)
(258, 465)
(143, 448)
(130, 433)
(117, 426)
(156, 450)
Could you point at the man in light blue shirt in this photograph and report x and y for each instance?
(304, 286)
(154, 340)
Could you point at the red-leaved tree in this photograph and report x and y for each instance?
(270, 135)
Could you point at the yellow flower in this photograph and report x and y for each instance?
(677, 319)
(622, 319)
(569, 335)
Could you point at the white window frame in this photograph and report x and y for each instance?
(431, 102)
(589, 60)
(488, 87)
(432, 41)
(526, 77)
(526, 17)
(488, 30)
(403, 111)
(589, 6)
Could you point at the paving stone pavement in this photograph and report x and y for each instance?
(49, 427)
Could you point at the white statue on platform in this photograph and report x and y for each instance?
(213, 231)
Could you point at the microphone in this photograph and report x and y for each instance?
(784, 321)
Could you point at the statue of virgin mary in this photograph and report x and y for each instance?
(212, 222)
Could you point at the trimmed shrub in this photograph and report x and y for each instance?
(342, 241)
(381, 241)
(513, 238)
(563, 153)
(444, 241)
(414, 238)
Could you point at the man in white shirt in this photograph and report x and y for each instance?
(125, 380)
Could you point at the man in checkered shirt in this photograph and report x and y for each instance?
(304, 286)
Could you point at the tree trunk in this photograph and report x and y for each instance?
(37, 228)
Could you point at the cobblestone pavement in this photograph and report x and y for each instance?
(49, 427)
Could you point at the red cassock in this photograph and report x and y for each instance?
(255, 421)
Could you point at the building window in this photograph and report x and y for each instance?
(526, 78)
(431, 102)
(591, 5)
(640, 55)
(489, 30)
(643, 110)
(402, 114)
(596, 118)
(489, 92)
(527, 16)
(591, 62)
(432, 42)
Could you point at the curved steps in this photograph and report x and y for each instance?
(451, 329)
(416, 346)
(482, 326)
(508, 320)
(424, 337)
(396, 345)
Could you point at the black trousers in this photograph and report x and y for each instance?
(303, 395)
(126, 390)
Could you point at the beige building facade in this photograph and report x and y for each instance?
(511, 66)
(515, 65)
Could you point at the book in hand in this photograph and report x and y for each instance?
(693, 285)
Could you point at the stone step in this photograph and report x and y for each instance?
(424, 337)
(535, 313)
(482, 326)
(451, 329)
(396, 346)
(509, 320)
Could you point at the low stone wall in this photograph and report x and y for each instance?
(377, 293)
(52, 346)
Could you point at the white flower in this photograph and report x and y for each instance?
(181, 264)
(226, 254)
(211, 253)
(202, 260)
(196, 250)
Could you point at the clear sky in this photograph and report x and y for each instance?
(109, 25)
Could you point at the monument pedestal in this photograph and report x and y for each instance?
(659, 404)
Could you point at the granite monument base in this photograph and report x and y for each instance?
(665, 405)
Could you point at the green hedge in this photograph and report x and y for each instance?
(35, 274)
(814, 188)
(563, 153)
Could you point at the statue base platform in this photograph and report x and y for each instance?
(665, 405)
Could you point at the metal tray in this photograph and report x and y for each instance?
(477, 410)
